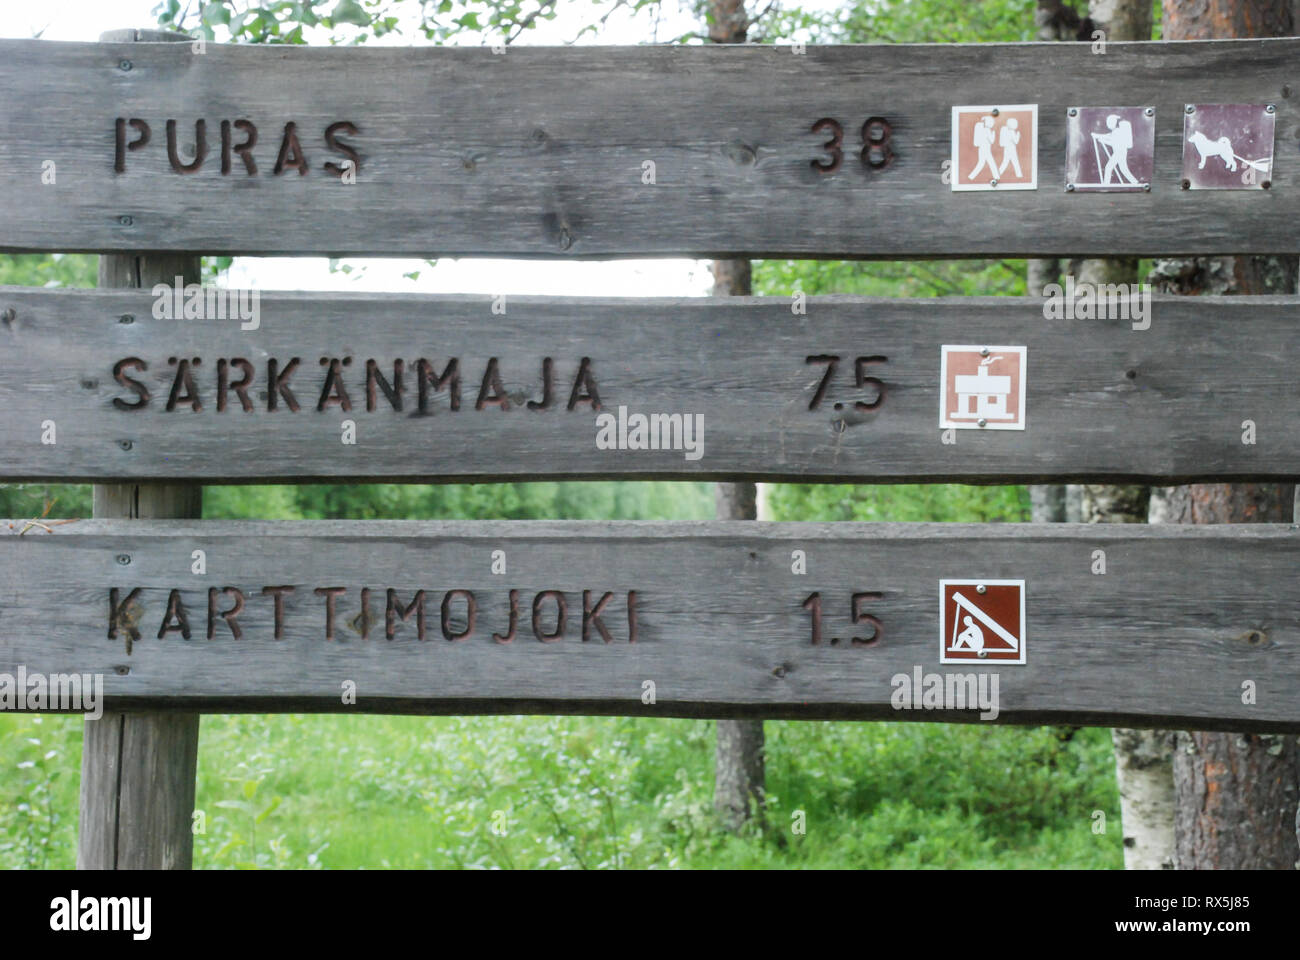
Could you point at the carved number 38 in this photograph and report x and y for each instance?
(876, 149)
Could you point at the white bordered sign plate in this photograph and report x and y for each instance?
(982, 387)
(982, 621)
(995, 147)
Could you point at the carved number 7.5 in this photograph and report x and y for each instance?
(859, 376)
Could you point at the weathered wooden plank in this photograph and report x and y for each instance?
(1179, 622)
(541, 152)
(1104, 400)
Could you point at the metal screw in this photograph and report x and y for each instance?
(982, 654)
(1269, 108)
(1069, 188)
(993, 183)
(126, 220)
(1150, 111)
(981, 589)
(1146, 187)
(126, 318)
(566, 239)
(983, 422)
(1189, 109)
(984, 351)
(995, 111)
(124, 558)
(1073, 111)
(124, 64)
(1187, 184)
(125, 444)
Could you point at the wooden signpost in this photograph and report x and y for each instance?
(155, 152)
(775, 620)
(840, 151)
(476, 388)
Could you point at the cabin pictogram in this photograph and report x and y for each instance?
(982, 387)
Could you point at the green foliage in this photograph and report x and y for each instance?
(555, 792)
(49, 270)
(937, 21)
(603, 500)
(356, 21)
(35, 500)
(909, 278)
(899, 502)
(269, 502)
(39, 756)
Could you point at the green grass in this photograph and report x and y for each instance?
(575, 792)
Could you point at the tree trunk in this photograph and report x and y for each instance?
(1236, 794)
(1121, 19)
(1143, 758)
(738, 775)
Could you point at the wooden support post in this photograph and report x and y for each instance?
(739, 773)
(138, 769)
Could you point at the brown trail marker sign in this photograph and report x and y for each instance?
(715, 618)
(837, 151)
(848, 390)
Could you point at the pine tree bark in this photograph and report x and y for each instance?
(1236, 793)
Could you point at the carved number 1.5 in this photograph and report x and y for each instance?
(858, 617)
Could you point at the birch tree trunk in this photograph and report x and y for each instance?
(1143, 758)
